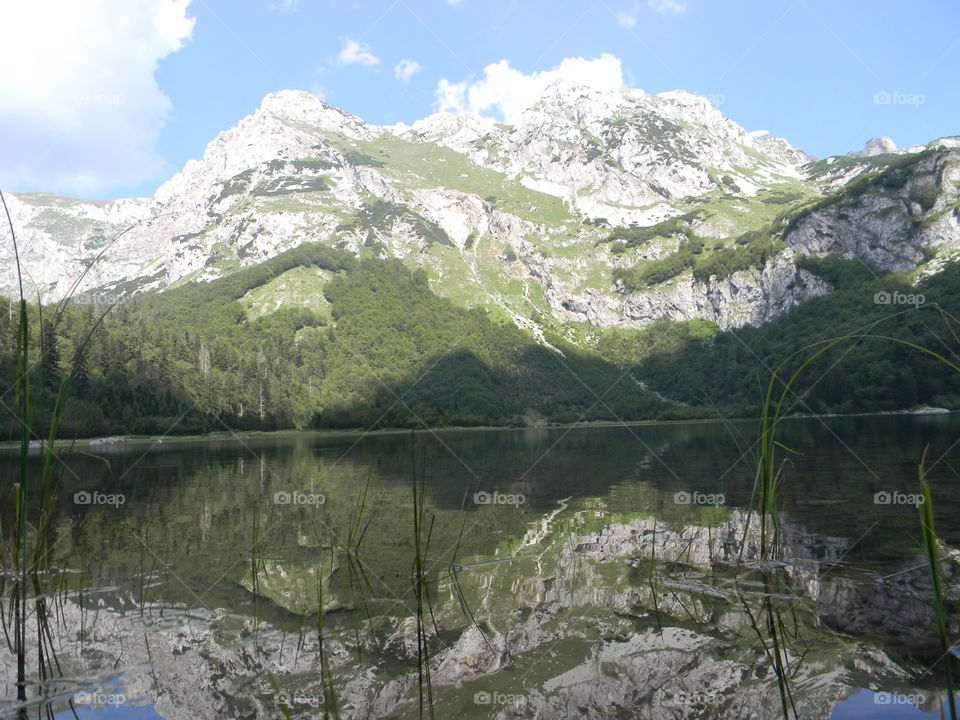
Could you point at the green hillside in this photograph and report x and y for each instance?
(731, 369)
(375, 347)
(316, 338)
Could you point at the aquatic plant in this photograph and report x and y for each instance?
(932, 551)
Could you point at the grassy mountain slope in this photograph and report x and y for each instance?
(380, 349)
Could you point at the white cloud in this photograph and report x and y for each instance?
(453, 2)
(511, 92)
(285, 6)
(81, 108)
(356, 53)
(406, 69)
(628, 18)
(667, 7)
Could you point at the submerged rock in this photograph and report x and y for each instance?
(296, 586)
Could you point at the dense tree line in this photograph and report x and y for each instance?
(749, 250)
(731, 369)
(190, 360)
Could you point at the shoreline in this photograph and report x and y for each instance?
(116, 442)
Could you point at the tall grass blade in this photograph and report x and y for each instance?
(932, 549)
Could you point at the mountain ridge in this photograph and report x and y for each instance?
(531, 220)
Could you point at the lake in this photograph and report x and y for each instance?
(603, 571)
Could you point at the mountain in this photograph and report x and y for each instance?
(875, 146)
(608, 256)
(601, 209)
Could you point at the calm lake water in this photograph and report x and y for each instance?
(587, 572)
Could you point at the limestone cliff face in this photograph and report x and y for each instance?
(516, 217)
(894, 223)
(747, 297)
(617, 151)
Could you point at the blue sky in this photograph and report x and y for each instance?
(113, 97)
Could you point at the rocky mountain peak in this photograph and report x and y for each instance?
(950, 142)
(287, 125)
(298, 106)
(455, 130)
(586, 102)
(694, 107)
(537, 201)
(875, 146)
(286, 102)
